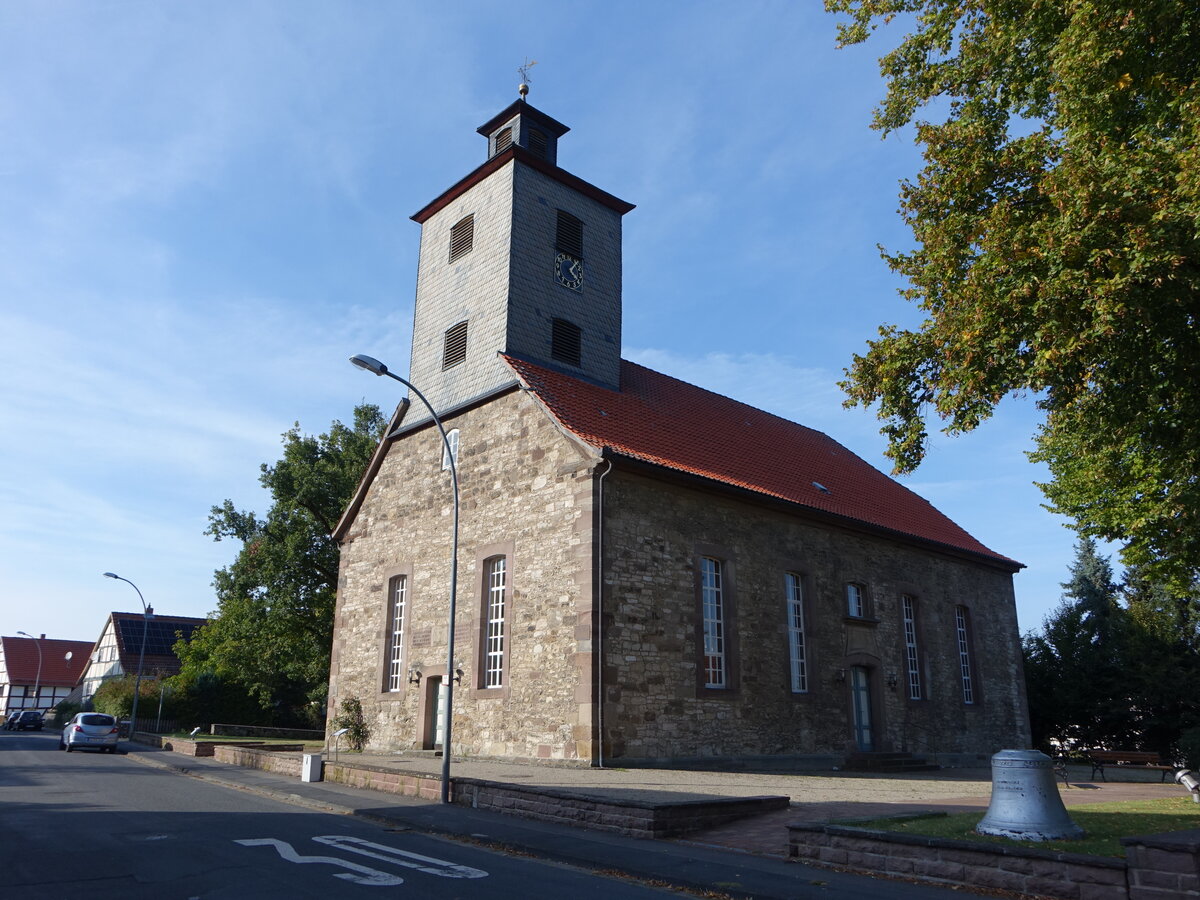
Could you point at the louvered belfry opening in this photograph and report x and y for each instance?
(462, 237)
(566, 342)
(569, 236)
(504, 139)
(537, 142)
(454, 350)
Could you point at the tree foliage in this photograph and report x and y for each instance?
(1117, 666)
(271, 635)
(115, 697)
(1056, 248)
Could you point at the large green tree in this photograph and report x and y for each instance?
(1080, 688)
(271, 635)
(1056, 248)
(1117, 666)
(1164, 658)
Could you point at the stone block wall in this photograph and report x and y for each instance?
(1036, 873)
(655, 707)
(526, 492)
(279, 761)
(1163, 866)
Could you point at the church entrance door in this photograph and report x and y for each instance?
(860, 693)
(435, 705)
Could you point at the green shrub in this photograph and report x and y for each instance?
(351, 718)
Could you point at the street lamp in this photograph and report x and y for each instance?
(37, 684)
(375, 366)
(147, 615)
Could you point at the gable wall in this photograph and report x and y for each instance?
(655, 709)
(526, 492)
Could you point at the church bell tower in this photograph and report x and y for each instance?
(519, 257)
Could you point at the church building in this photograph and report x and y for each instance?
(648, 572)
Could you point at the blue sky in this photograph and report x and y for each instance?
(204, 210)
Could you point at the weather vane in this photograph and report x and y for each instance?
(523, 70)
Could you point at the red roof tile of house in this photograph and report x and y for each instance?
(21, 660)
(667, 422)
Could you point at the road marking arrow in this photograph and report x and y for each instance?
(365, 876)
(426, 864)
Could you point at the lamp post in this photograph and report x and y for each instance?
(147, 615)
(378, 368)
(37, 684)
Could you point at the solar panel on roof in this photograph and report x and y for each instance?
(160, 635)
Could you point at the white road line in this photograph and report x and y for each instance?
(426, 864)
(367, 876)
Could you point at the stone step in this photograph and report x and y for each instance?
(887, 762)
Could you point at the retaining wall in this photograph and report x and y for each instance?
(1157, 867)
(629, 817)
(283, 759)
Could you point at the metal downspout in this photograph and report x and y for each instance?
(598, 637)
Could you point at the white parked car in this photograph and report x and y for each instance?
(90, 729)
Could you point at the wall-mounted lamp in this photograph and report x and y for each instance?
(839, 675)
(414, 674)
(892, 680)
(458, 673)
(1189, 781)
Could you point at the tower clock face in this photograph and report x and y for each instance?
(568, 271)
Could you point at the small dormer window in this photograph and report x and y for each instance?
(504, 139)
(537, 142)
(566, 342)
(454, 348)
(462, 237)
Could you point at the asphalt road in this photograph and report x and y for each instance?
(95, 825)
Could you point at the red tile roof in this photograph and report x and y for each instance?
(21, 660)
(667, 422)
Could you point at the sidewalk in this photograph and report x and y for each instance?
(703, 861)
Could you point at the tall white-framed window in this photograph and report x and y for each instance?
(495, 573)
(794, 587)
(856, 601)
(397, 604)
(912, 659)
(450, 452)
(964, 653)
(712, 602)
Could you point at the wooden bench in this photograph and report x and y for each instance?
(1127, 759)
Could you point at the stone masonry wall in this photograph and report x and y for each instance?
(655, 708)
(525, 492)
(1015, 869)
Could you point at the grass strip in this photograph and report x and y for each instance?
(1103, 824)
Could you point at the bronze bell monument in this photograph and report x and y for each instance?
(1025, 802)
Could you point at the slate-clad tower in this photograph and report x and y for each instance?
(519, 257)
